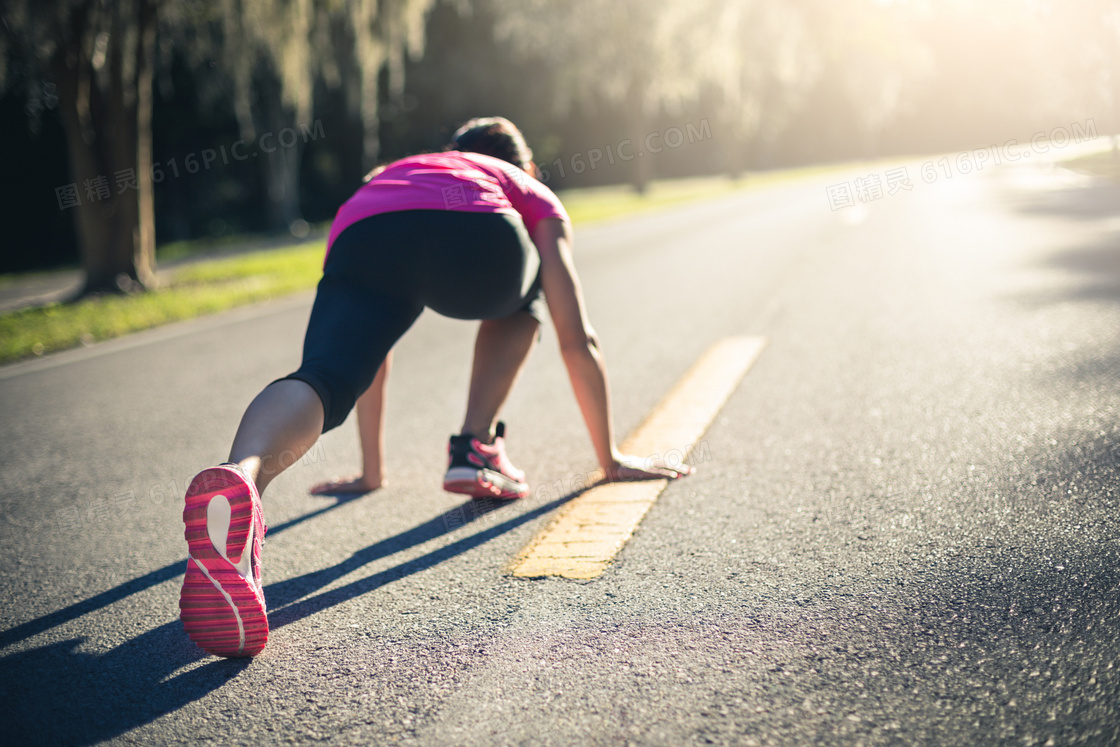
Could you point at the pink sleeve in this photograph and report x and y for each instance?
(530, 198)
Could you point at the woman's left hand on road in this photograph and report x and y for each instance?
(628, 468)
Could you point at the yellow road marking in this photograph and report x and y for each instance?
(591, 529)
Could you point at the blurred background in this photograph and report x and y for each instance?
(138, 123)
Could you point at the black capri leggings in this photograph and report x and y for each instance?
(384, 270)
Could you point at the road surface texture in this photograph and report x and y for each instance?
(904, 527)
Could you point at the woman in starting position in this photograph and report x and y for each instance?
(469, 233)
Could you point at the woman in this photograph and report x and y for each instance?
(468, 233)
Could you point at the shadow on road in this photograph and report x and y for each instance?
(1000, 623)
(1093, 269)
(128, 588)
(1090, 202)
(283, 593)
(1089, 272)
(58, 694)
(1009, 639)
(289, 591)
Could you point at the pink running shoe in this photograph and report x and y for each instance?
(483, 470)
(222, 603)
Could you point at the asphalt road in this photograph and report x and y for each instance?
(904, 529)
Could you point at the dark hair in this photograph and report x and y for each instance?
(494, 136)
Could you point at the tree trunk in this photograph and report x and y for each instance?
(283, 150)
(108, 134)
(642, 165)
(282, 174)
(144, 236)
(734, 147)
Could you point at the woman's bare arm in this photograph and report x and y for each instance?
(583, 356)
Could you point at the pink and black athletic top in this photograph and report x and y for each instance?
(452, 180)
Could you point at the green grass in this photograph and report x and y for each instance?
(204, 288)
(595, 204)
(1103, 164)
(209, 286)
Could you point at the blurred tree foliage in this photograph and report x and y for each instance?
(95, 61)
(312, 93)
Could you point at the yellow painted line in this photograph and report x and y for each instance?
(591, 529)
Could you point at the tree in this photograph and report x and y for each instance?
(760, 58)
(385, 33)
(100, 55)
(1084, 70)
(276, 49)
(267, 47)
(626, 51)
(878, 60)
(755, 58)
